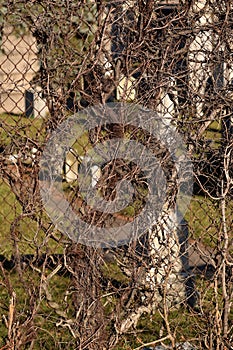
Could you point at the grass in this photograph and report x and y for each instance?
(205, 219)
(27, 232)
(19, 129)
(183, 325)
(9, 210)
(202, 225)
(213, 134)
(27, 292)
(205, 223)
(14, 132)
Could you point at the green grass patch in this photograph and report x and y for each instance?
(17, 128)
(9, 210)
(205, 222)
(28, 235)
(27, 290)
(204, 219)
(214, 134)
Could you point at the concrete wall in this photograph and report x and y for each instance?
(18, 65)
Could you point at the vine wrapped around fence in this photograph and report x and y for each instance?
(172, 286)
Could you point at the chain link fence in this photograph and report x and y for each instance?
(172, 287)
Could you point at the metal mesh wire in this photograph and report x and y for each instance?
(172, 287)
